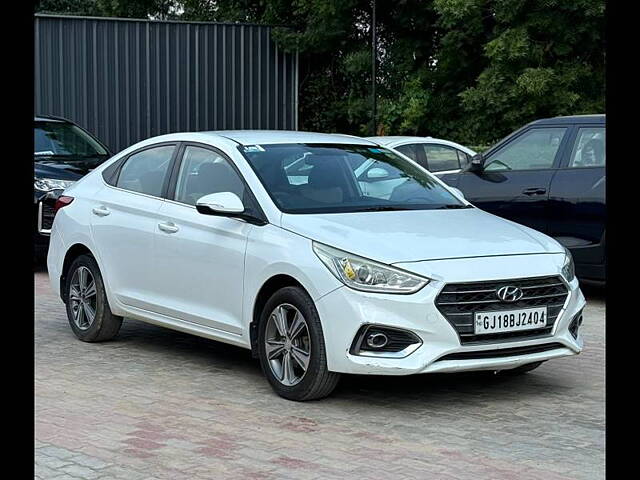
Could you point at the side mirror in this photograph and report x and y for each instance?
(225, 204)
(377, 173)
(477, 163)
(458, 192)
(228, 204)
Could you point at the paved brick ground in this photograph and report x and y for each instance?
(157, 404)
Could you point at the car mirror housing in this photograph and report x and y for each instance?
(377, 173)
(477, 163)
(225, 204)
(228, 204)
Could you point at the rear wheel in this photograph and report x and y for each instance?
(88, 309)
(291, 347)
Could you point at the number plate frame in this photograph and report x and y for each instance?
(504, 321)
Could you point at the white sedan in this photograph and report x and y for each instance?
(436, 155)
(277, 242)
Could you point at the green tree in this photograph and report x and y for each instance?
(160, 9)
(544, 58)
(466, 70)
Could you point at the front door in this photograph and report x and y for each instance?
(199, 261)
(515, 181)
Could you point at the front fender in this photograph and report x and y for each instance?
(274, 251)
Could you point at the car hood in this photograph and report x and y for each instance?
(71, 169)
(57, 171)
(417, 235)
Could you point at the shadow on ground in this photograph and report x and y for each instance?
(188, 351)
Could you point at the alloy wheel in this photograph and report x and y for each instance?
(287, 344)
(83, 298)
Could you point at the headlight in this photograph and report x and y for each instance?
(48, 184)
(568, 269)
(366, 275)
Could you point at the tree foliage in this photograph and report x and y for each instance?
(467, 70)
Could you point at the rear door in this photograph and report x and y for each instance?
(577, 198)
(517, 176)
(124, 215)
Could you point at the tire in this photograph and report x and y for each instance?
(104, 325)
(316, 381)
(522, 369)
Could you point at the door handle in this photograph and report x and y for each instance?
(168, 227)
(534, 191)
(101, 211)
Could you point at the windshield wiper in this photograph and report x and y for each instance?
(452, 207)
(381, 208)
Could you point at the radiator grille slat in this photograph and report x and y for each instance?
(458, 302)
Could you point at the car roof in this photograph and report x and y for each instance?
(265, 137)
(397, 140)
(596, 118)
(388, 140)
(50, 118)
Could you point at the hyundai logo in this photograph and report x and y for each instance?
(509, 293)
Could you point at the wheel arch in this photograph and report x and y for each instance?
(268, 288)
(72, 253)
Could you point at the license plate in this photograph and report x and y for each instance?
(510, 320)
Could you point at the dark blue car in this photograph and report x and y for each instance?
(549, 175)
(63, 153)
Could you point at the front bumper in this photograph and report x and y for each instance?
(343, 311)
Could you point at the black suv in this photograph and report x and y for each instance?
(63, 153)
(548, 175)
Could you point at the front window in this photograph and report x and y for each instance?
(64, 140)
(534, 150)
(327, 178)
(203, 172)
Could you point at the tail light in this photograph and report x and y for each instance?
(62, 201)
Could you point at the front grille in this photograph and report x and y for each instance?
(458, 302)
(503, 352)
(46, 217)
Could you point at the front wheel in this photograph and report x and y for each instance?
(88, 310)
(291, 347)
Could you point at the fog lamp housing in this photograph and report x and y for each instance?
(575, 324)
(383, 341)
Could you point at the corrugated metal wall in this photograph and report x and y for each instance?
(127, 80)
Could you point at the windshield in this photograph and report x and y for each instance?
(328, 178)
(65, 140)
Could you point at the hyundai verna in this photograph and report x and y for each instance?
(322, 254)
